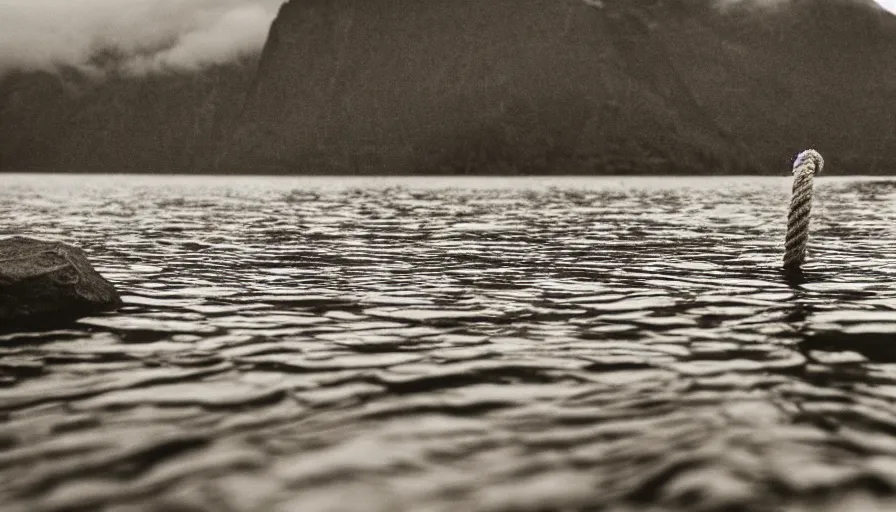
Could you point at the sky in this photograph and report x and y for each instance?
(153, 34)
(889, 5)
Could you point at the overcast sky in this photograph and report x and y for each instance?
(157, 34)
(889, 5)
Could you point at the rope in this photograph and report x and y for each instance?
(806, 165)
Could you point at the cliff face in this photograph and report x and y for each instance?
(572, 86)
(508, 86)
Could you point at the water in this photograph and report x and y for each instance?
(456, 344)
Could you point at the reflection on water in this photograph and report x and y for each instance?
(431, 344)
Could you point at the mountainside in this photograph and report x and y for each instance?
(167, 123)
(502, 86)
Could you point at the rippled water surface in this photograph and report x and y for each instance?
(456, 345)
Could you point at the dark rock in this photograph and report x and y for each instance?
(49, 282)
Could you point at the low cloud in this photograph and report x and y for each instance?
(888, 5)
(136, 36)
(752, 3)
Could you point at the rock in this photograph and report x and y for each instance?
(49, 282)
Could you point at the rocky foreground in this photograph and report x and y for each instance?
(47, 282)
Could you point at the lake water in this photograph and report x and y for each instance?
(487, 344)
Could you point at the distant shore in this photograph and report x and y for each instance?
(537, 87)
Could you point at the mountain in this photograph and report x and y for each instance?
(73, 122)
(499, 86)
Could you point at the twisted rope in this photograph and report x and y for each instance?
(806, 165)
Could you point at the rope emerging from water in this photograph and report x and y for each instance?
(806, 165)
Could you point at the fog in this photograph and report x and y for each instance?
(136, 36)
(889, 5)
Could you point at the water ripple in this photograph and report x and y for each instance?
(445, 344)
